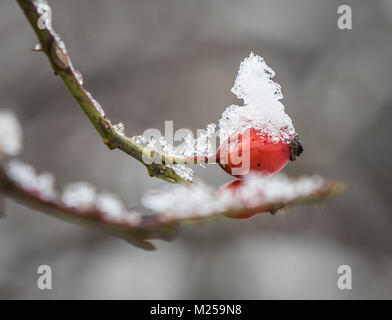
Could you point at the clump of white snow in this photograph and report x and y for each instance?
(83, 196)
(111, 205)
(262, 108)
(37, 47)
(10, 134)
(139, 141)
(25, 176)
(254, 82)
(200, 200)
(182, 202)
(80, 195)
(45, 185)
(79, 77)
(114, 209)
(119, 128)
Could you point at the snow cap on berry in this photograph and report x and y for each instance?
(254, 81)
(262, 108)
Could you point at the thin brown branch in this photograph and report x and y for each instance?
(54, 48)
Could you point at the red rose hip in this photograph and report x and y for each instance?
(254, 151)
(233, 187)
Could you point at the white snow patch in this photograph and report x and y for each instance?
(111, 206)
(10, 134)
(45, 186)
(203, 145)
(262, 108)
(22, 174)
(182, 202)
(119, 128)
(80, 195)
(114, 209)
(25, 176)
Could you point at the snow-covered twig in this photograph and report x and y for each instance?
(52, 45)
(239, 198)
(81, 204)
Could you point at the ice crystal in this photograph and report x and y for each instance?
(183, 171)
(182, 202)
(139, 141)
(162, 147)
(119, 128)
(79, 77)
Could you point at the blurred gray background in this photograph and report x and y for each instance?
(151, 61)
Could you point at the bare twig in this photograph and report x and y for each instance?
(54, 48)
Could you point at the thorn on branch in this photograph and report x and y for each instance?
(58, 56)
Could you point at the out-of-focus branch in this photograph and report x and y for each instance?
(54, 48)
(136, 231)
(201, 203)
(328, 189)
(137, 228)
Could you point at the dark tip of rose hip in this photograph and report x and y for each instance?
(300, 149)
(296, 148)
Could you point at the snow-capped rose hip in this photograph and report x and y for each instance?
(256, 137)
(254, 151)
